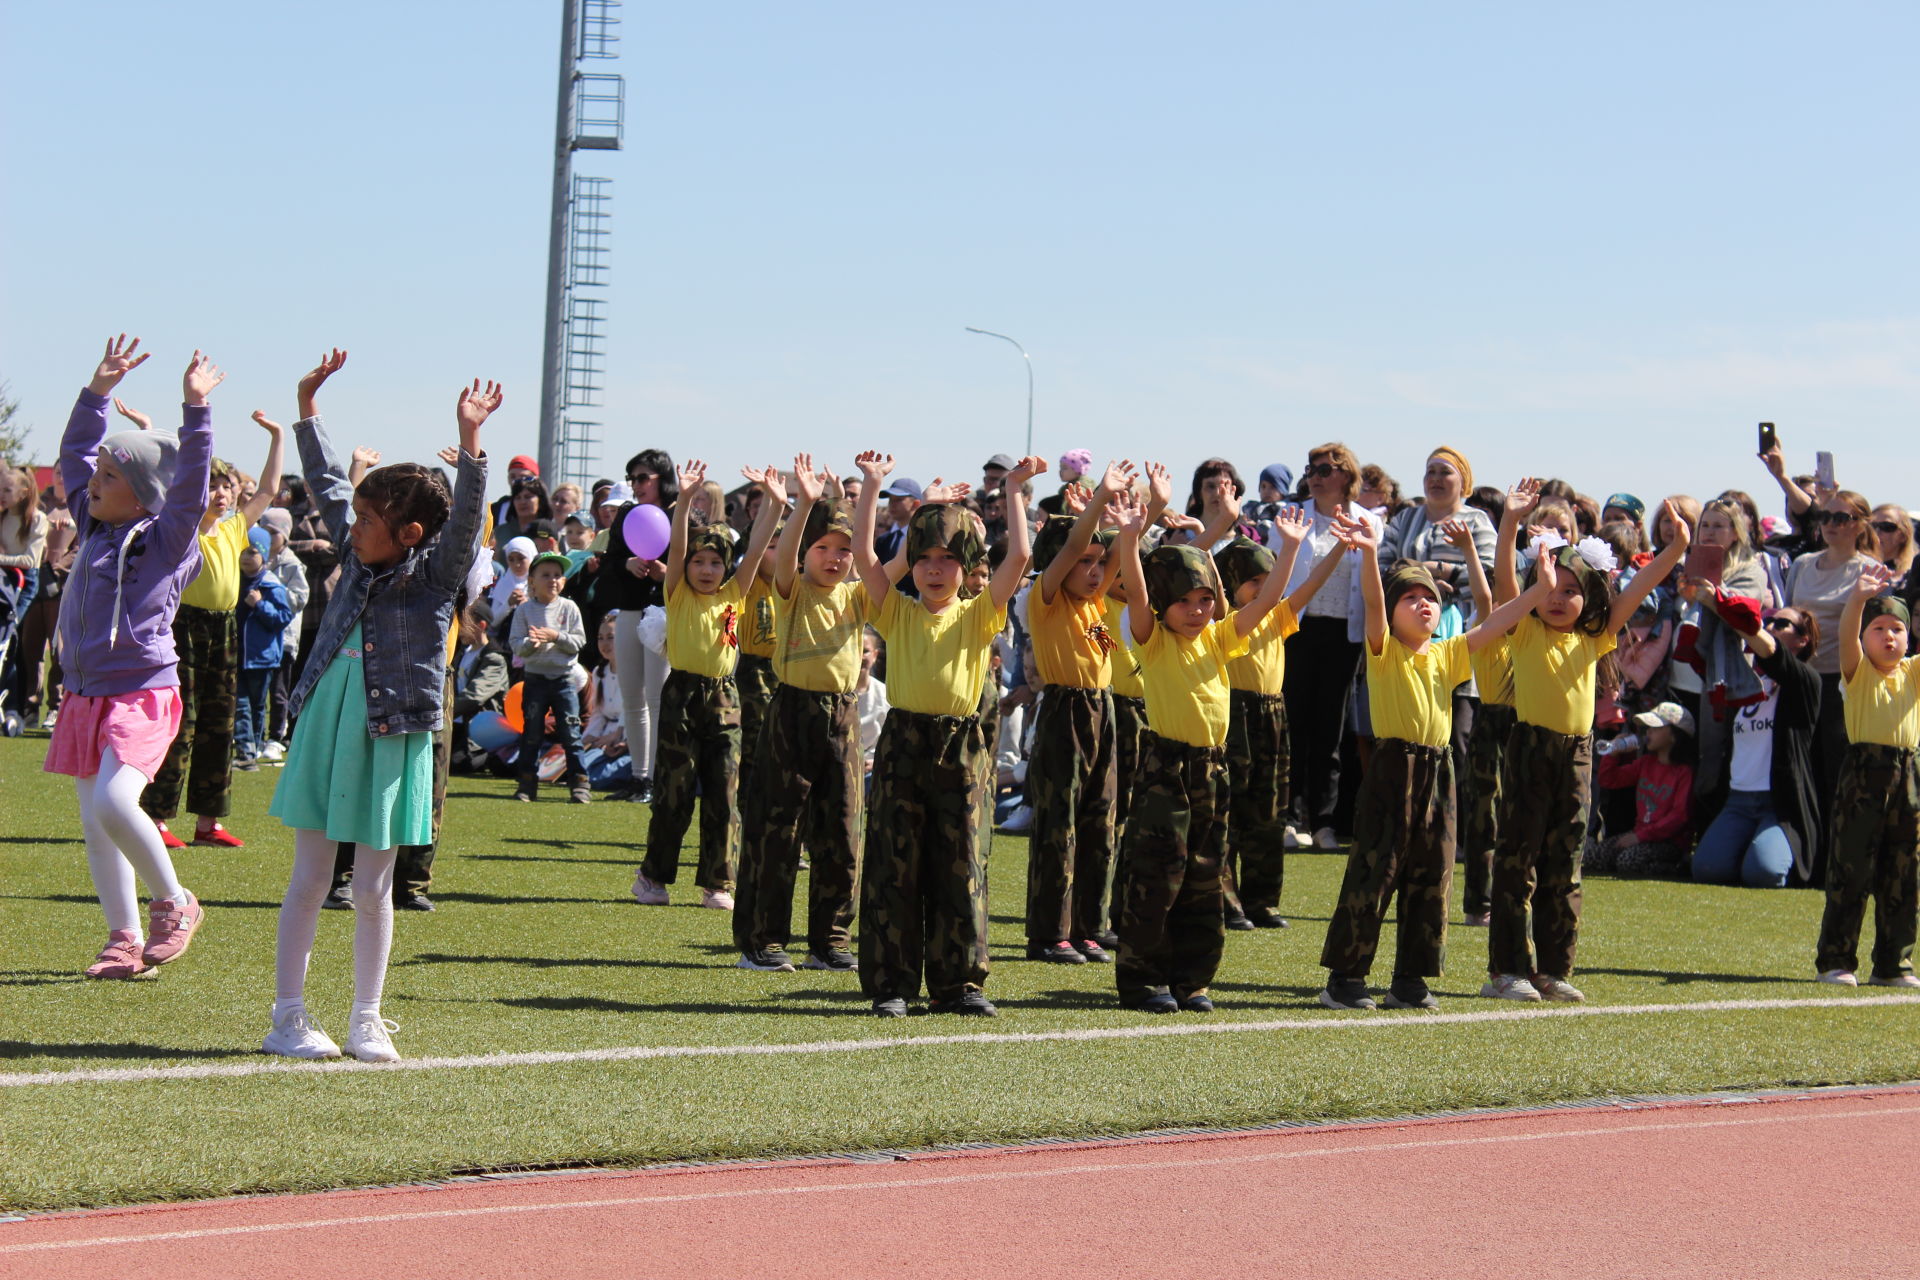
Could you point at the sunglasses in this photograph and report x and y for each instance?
(1837, 517)
(1886, 526)
(640, 477)
(1785, 624)
(1321, 470)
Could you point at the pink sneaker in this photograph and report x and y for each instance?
(170, 928)
(120, 958)
(717, 899)
(649, 892)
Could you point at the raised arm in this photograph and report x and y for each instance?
(761, 535)
(1465, 537)
(1013, 570)
(1654, 574)
(269, 483)
(1117, 479)
(809, 487)
(1317, 577)
(1290, 526)
(1373, 592)
(187, 495)
(693, 474)
(1498, 622)
(365, 458)
(453, 553)
(1126, 545)
(1221, 519)
(310, 385)
(1521, 500)
(879, 579)
(1798, 499)
(1874, 580)
(327, 483)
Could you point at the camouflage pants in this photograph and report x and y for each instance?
(1480, 827)
(699, 750)
(201, 756)
(989, 714)
(1129, 742)
(1546, 790)
(1255, 863)
(1402, 843)
(923, 882)
(809, 789)
(756, 682)
(1876, 825)
(1172, 916)
(1070, 785)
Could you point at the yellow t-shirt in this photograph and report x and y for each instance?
(217, 585)
(1884, 709)
(757, 620)
(1553, 674)
(937, 662)
(1187, 692)
(1066, 644)
(1124, 660)
(1265, 665)
(819, 630)
(1410, 695)
(1492, 674)
(697, 629)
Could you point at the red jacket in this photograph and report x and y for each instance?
(1661, 793)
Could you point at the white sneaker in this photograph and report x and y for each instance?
(296, 1035)
(717, 899)
(1897, 980)
(368, 1038)
(1510, 986)
(1290, 838)
(1838, 978)
(273, 752)
(1552, 988)
(1020, 820)
(647, 892)
(1325, 839)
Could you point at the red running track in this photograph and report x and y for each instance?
(1803, 1186)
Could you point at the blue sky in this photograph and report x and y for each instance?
(1598, 242)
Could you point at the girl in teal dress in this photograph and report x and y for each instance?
(360, 767)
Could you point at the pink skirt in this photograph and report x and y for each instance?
(139, 726)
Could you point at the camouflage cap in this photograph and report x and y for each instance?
(1240, 561)
(830, 515)
(1886, 607)
(946, 527)
(1405, 577)
(1052, 539)
(717, 538)
(1172, 572)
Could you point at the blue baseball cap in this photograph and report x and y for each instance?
(903, 487)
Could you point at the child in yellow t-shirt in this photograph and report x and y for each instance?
(923, 892)
(1486, 743)
(754, 673)
(1876, 808)
(699, 724)
(1403, 818)
(1070, 768)
(1554, 652)
(812, 789)
(1172, 916)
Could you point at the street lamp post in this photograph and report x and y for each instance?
(1029, 359)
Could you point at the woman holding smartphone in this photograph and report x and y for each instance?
(1819, 583)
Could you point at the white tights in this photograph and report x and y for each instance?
(300, 917)
(642, 674)
(122, 841)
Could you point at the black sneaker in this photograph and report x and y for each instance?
(766, 960)
(1238, 921)
(1266, 918)
(1197, 1003)
(1108, 939)
(411, 902)
(968, 1004)
(339, 898)
(1159, 1002)
(1093, 951)
(1410, 993)
(1055, 953)
(580, 795)
(247, 764)
(1346, 993)
(642, 792)
(833, 960)
(894, 1008)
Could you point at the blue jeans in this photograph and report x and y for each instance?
(250, 711)
(542, 693)
(1745, 844)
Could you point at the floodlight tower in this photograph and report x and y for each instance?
(591, 117)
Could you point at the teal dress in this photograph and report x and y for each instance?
(345, 781)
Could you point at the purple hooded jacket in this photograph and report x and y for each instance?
(116, 622)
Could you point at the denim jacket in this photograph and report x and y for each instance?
(404, 612)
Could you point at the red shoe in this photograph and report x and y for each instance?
(167, 838)
(170, 927)
(217, 837)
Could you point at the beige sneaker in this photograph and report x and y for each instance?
(717, 899)
(1897, 980)
(1552, 988)
(1838, 978)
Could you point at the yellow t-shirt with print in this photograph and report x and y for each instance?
(937, 662)
(1553, 674)
(217, 585)
(819, 635)
(1067, 634)
(1188, 698)
(1125, 661)
(1265, 666)
(1410, 695)
(757, 620)
(1884, 709)
(697, 629)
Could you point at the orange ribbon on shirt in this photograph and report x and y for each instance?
(730, 627)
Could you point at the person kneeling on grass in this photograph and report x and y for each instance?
(1403, 818)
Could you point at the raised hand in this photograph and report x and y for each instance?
(137, 418)
(940, 491)
(1075, 498)
(768, 477)
(1873, 580)
(1356, 533)
(691, 472)
(1292, 525)
(1775, 462)
(117, 363)
(1181, 522)
(1028, 468)
(1129, 514)
(329, 365)
(1681, 535)
(273, 428)
(476, 403)
(201, 377)
(1523, 497)
(365, 457)
(1159, 485)
(874, 466)
(449, 455)
(1546, 572)
(1119, 477)
(810, 483)
(1459, 533)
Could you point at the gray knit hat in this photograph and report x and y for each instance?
(146, 459)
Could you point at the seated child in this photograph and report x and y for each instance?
(1656, 765)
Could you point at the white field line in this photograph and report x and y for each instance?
(639, 1053)
(958, 1179)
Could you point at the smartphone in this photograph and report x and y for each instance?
(1823, 470)
(1706, 563)
(1769, 438)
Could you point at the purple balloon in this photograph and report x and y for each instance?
(646, 531)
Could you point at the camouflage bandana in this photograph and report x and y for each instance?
(823, 518)
(1405, 578)
(1052, 540)
(1240, 561)
(717, 538)
(1592, 581)
(1172, 572)
(945, 527)
(1886, 607)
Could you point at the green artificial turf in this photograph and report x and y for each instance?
(537, 946)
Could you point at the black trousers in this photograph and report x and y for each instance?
(1321, 662)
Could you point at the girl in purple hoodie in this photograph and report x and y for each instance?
(136, 499)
